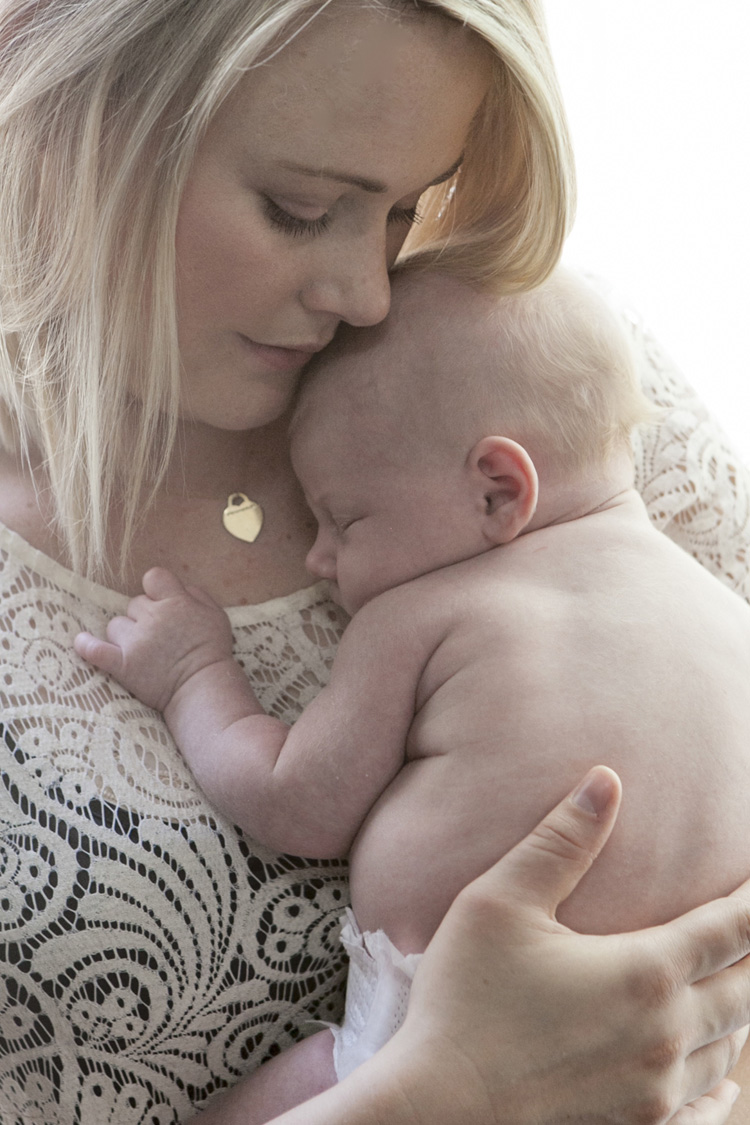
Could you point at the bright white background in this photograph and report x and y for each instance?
(658, 97)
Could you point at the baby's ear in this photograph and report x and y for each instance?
(505, 474)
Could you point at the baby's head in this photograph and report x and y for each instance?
(461, 421)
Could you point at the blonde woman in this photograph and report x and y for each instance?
(193, 195)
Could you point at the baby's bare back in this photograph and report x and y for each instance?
(593, 641)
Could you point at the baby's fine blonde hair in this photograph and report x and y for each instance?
(552, 368)
(102, 106)
(561, 374)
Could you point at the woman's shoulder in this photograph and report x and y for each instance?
(26, 566)
(695, 485)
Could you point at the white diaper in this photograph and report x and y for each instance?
(377, 992)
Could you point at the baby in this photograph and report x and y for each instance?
(516, 619)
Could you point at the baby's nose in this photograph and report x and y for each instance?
(320, 561)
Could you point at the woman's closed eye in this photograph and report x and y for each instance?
(408, 215)
(294, 224)
(297, 226)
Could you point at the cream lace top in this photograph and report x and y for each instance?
(150, 953)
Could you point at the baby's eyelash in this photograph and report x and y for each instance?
(292, 224)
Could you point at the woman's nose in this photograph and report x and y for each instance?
(355, 287)
(321, 560)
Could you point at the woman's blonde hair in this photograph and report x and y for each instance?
(102, 105)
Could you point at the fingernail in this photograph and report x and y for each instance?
(595, 792)
(735, 1093)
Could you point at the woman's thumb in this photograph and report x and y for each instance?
(546, 866)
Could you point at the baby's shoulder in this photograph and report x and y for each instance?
(478, 594)
(427, 610)
(464, 586)
(423, 604)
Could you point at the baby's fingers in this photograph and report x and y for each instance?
(201, 596)
(102, 654)
(159, 583)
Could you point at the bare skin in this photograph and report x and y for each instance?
(259, 293)
(661, 997)
(741, 1075)
(491, 655)
(184, 523)
(535, 616)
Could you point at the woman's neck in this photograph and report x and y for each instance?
(183, 529)
(210, 463)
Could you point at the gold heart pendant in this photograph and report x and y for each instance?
(242, 517)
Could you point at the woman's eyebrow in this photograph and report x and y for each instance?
(374, 186)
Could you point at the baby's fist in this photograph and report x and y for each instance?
(169, 634)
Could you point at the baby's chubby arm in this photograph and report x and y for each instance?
(303, 789)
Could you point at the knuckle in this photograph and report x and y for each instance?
(475, 899)
(653, 1109)
(654, 984)
(734, 1045)
(557, 838)
(482, 908)
(114, 628)
(720, 1058)
(666, 1054)
(742, 925)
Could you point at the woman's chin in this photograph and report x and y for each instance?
(238, 415)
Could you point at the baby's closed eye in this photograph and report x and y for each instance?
(343, 523)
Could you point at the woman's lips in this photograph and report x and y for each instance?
(281, 359)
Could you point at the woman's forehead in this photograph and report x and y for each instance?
(359, 86)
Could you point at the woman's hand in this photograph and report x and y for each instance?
(712, 1109)
(545, 1025)
(515, 1020)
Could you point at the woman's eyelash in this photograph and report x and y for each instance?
(408, 215)
(297, 227)
(293, 224)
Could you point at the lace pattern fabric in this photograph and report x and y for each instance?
(695, 486)
(150, 953)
